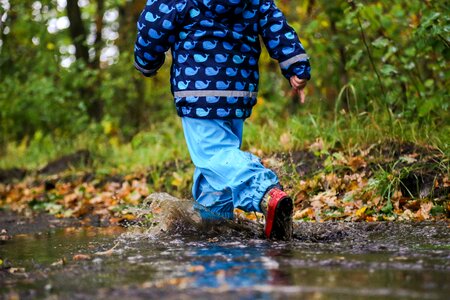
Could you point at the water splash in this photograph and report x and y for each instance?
(164, 215)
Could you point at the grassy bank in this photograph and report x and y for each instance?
(338, 165)
(272, 128)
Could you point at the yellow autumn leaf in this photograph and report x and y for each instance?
(361, 211)
(129, 217)
(177, 179)
(325, 23)
(107, 126)
(307, 212)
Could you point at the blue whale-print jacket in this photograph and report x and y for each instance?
(215, 51)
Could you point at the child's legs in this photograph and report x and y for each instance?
(214, 148)
(218, 202)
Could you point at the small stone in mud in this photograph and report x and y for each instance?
(97, 260)
(135, 259)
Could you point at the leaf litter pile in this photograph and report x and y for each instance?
(389, 181)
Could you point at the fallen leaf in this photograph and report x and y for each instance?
(107, 252)
(407, 215)
(60, 262)
(307, 212)
(198, 268)
(16, 270)
(408, 159)
(357, 162)
(413, 205)
(81, 257)
(424, 212)
(177, 179)
(360, 212)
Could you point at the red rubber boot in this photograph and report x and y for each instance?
(278, 208)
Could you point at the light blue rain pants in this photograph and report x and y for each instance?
(225, 177)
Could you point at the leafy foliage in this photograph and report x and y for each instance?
(47, 88)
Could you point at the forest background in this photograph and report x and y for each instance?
(380, 79)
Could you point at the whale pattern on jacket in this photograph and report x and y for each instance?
(228, 46)
(155, 34)
(191, 71)
(211, 71)
(202, 85)
(189, 45)
(202, 112)
(212, 99)
(192, 99)
(151, 17)
(208, 45)
(215, 46)
(143, 42)
(222, 112)
(231, 72)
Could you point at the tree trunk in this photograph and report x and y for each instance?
(79, 38)
(77, 30)
(310, 8)
(128, 16)
(98, 42)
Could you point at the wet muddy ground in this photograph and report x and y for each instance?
(325, 261)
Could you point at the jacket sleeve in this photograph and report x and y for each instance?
(156, 33)
(282, 42)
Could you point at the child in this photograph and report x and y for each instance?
(215, 51)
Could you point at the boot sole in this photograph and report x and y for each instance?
(282, 224)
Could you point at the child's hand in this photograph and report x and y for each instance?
(299, 86)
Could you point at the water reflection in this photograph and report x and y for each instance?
(245, 266)
(237, 266)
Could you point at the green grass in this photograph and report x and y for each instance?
(271, 129)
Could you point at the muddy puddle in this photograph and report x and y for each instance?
(191, 259)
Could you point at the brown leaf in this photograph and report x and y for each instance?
(81, 257)
(413, 205)
(446, 182)
(197, 268)
(357, 162)
(425, 209)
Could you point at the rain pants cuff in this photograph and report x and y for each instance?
(208, 215)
